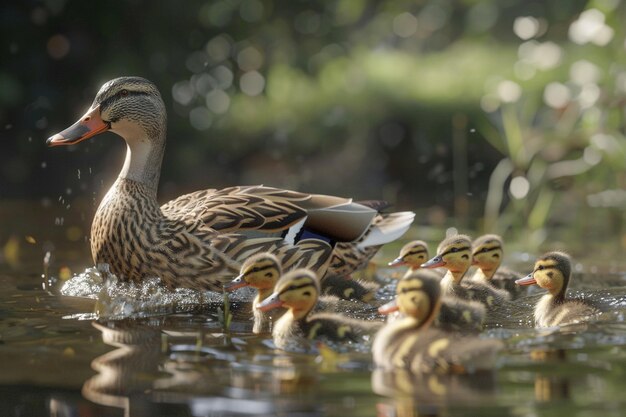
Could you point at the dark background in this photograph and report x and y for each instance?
(399, 100)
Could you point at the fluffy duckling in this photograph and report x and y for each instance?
(455, 254)
(455, 315)
(411, 343)
(346, 288)
(487, 256)
(298, 291)
(261, 272)
(552, 271)
(413, 254)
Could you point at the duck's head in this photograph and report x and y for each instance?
(454, 253)
(487, 253)
(297, 290)
(260, 271)
(413, 254)
(552, 272)
(417, 295)
(129, 106)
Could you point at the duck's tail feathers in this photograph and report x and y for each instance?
(389, 228)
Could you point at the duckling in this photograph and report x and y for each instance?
(411, 343)
(413, 254)
(262, 271)
(455, 254)
(298, 291)
(455, 314)
(552, 271)
(487, 256)
(346, 288)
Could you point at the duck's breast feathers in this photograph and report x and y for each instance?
(273, 210)
(549, 312)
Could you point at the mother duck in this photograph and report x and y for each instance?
(199, 240)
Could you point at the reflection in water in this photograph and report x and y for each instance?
(196, 375)
(428, 394)
(548, 385)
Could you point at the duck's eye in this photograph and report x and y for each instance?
(453, 250)
(124, 93)
(540, 267)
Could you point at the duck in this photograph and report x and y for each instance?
(552, 271)
(261, 272)
(298, 291)
(487, 256)
(455, 315)
(199, 240)
(412, 343)
(455, 254)
(413, 254)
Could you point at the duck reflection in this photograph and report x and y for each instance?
(195, 373)
(548, 385)
(428, 394)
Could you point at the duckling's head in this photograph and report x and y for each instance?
(552, 271)
(297, 290)
(413, 254)
(454, 253)
(132, 107)
(260, 271)
(487, 253)
(417, 295)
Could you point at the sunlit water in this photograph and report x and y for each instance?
(97, 346)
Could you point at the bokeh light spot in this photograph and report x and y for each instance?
(404, 25)
(526, 27)
(519, 187)
(218, 101)
(58, 46)
(200, 118)
(556, 95)
(252, 83)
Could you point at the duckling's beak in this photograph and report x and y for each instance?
(238, 282)
(397, 262)
(435, 262)
(389, 308)
(270, 303)
(87, 126)
(527, 280)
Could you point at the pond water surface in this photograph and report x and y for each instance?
(60, 359)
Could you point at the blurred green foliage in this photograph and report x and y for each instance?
(484, 115)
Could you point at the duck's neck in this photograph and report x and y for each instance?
(456, 275)
(143, 160)
(484, 273)
(263, 293)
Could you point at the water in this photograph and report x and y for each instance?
(165, 353)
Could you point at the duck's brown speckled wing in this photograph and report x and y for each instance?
(308, 253)
(241, 208)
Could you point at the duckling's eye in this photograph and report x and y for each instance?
(124, 93)
(540, 267)
(453, 250)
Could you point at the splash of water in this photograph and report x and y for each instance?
(118, 299)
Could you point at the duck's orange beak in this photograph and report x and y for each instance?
(397, 262)
(238, 282)
(435, 262)
(389, 308)
(270, 303)
(527, 280)
(87, 126)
